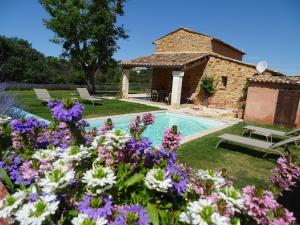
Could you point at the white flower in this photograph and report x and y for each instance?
(34, 213)
(99, 177)
(56, 179)
(206, 175)
(4, 119)
(62, 164)
(83, 219)
(112, 140)
(45, 154)
(157, 179)
(75, 153)
(232, 196)
(96, 141)
(201, 207)
(10, 203)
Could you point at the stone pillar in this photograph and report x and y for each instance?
(176, 88)
(125, 84)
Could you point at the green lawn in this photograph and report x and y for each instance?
(244, 164)
(29, 102)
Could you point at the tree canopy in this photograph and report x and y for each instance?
(21, 63)
(87, 30)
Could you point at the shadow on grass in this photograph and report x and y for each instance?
(249, 151)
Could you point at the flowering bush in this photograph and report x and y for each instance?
(285, 174)
(120, 178)
(171, 139)
(139, 124)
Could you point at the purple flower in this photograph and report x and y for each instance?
(163, 154)
(26, 126)
(95, 206)
(132, 215)
(13, 166)
(33, 197)
(63, 114)
(179, 178)
(138, 147)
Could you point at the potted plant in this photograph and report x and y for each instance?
(208, 86)
(241, 111)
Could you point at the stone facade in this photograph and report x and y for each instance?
(210, 56)
(236, 73)
(220, 48)
(216, 67)
(184, 40)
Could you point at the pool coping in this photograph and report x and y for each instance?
(227, 123)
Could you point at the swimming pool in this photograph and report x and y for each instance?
(187, 125)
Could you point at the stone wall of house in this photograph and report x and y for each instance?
(236, 73)
(191, 81)
(220, 48)
(183, 41)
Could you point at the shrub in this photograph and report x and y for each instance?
(208, 85)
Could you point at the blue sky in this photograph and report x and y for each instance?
(265, 30)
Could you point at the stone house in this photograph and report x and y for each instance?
(183, 57)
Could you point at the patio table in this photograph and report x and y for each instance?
(268, 135)
(163, 94)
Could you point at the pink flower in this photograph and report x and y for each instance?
(285, 174)
(171, 139)
(148, 118)
(264, 209)
(62, 125)
(106, 127)
(28, 172)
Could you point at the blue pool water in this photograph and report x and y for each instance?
(187, 125)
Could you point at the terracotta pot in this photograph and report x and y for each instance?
(241, 113)
(3, 193)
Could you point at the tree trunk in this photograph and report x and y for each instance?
(91, 83)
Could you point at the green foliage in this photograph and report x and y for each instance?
(5, 178)
(245, 91)
(208, 85)
(87, 30)
(22, 63)
(153, 213)
(136, 178)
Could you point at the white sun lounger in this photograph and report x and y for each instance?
(42, 95)
(271, 147)
(271, 131)
(85, 95)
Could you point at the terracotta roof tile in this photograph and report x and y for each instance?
(165, 59)
(292, 80)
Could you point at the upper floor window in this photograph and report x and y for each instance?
(224, 81)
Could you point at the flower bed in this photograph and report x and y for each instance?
(61, 174)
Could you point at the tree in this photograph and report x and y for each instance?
(17, 58)
(87, 30)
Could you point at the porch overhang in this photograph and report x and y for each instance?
(177, 61)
